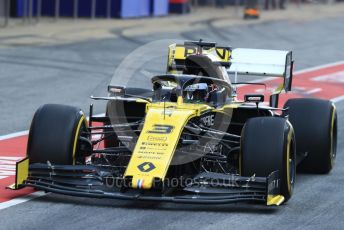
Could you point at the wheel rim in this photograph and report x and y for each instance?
(82, 127)
(292, 171)
(333, 152)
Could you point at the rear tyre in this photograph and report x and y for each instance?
(267, 145)
(315, 124)
(54, 134)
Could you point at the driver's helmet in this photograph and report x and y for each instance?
(196, 93)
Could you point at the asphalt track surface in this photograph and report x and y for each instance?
(68, 74)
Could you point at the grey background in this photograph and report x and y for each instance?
(2, 12)
(31, 76)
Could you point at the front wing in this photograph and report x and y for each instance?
(98, 182)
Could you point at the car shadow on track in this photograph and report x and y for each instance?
(251, 207)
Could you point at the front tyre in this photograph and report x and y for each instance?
(54, 134)
(267, 145)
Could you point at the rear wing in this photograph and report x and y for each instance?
(273, 63)
(177, 54)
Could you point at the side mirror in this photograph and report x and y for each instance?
(114, 90)
(255, 98)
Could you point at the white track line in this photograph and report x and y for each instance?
(34, 195)
(319, 67)
(312, 91)
(12, 135)
(337, 99)
(20, 200)
(26, 132)
(310, 69)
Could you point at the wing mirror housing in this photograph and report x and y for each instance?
(255, 98)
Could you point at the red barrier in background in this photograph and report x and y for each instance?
(180, 6)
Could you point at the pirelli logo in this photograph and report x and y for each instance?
(161, 129)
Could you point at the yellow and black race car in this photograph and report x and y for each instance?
(187, 140)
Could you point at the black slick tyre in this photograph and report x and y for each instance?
(315, 125)
(268, 145)
(54, 134)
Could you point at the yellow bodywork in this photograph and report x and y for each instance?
(181, 52)
(275, 200)
(22, 173)
(154, 150)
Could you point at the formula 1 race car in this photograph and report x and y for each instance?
(188, 139)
